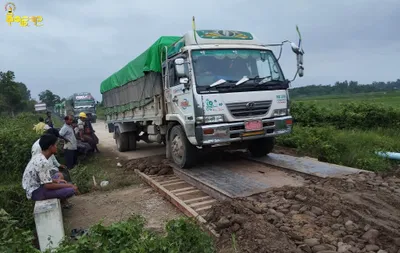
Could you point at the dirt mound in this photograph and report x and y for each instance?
(357, 214)
(154, 165)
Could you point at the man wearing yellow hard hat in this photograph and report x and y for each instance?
(86, 132)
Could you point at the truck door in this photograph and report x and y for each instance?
(180, 101)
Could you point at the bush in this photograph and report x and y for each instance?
(13, 238)
(183, 235)
(346, 116)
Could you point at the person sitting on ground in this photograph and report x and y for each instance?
(86, 132)
(36, 149)
(70, 145)
(36, 180)
(41, 126)
(83, 147)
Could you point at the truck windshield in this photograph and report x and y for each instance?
(231, 65)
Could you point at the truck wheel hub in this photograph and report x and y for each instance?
(177, 147)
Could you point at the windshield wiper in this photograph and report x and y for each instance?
(243, 80)
(220, 81)
(271, 82)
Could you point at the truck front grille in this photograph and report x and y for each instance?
(246, 109)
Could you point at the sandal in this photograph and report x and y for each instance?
(75, 233)
(67, 206)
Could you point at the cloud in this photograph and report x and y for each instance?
(83, 42)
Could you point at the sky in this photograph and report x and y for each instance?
(81, 43)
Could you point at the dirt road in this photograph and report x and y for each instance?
(107, 140)
(119, 204)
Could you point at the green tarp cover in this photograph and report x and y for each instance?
(148, 61)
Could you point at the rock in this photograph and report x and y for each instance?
(290, 194)
(163, 171)
(396, 241)
(311, 242)
(295, 207)
(318, 248)
(336, 226)
(280, 215)
(349, 180)
(336, 213)
(371, 247)
(303, 209)
(316, 210)
(295, 236)
(382, 251)
(323, 247)
(223, 223)
(343, 247)
(301, 197)
(310, 214)
(385, 184)
(235, 227)
(350, 226)
(141, 167)
(271, 211)
(339, 233)
(367, 227)
(284, 229)
(371, 236)
(305, 248)
(349, 238)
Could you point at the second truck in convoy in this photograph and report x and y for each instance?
(209, 88)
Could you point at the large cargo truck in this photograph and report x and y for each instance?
(81, 102)
(207, 89)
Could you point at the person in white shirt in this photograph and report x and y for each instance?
(36, 180)
(36, 149)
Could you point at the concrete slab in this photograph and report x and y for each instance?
(307, 165)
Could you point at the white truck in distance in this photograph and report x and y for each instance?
(209, 88)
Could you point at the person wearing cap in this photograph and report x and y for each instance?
(36, 149)
(86, 131)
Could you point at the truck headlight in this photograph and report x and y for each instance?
(210, 119)
(280, 112)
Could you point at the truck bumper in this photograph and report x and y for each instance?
(236, 132)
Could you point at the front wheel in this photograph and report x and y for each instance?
(183, 153)
(261, 147)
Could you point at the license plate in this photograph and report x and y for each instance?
(254, 125)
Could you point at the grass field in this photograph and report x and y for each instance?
(388, 99)
(347, 129)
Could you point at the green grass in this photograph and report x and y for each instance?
(347, 129)
(388, 99)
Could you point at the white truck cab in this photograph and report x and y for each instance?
(225, 87)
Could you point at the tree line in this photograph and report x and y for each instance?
(15, 97)
(343, 88)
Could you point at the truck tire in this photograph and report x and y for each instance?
(122, 141)
(261, 147)
(132, 140)
(183, 153)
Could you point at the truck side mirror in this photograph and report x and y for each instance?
(180, 67)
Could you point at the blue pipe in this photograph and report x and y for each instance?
(390, 155)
